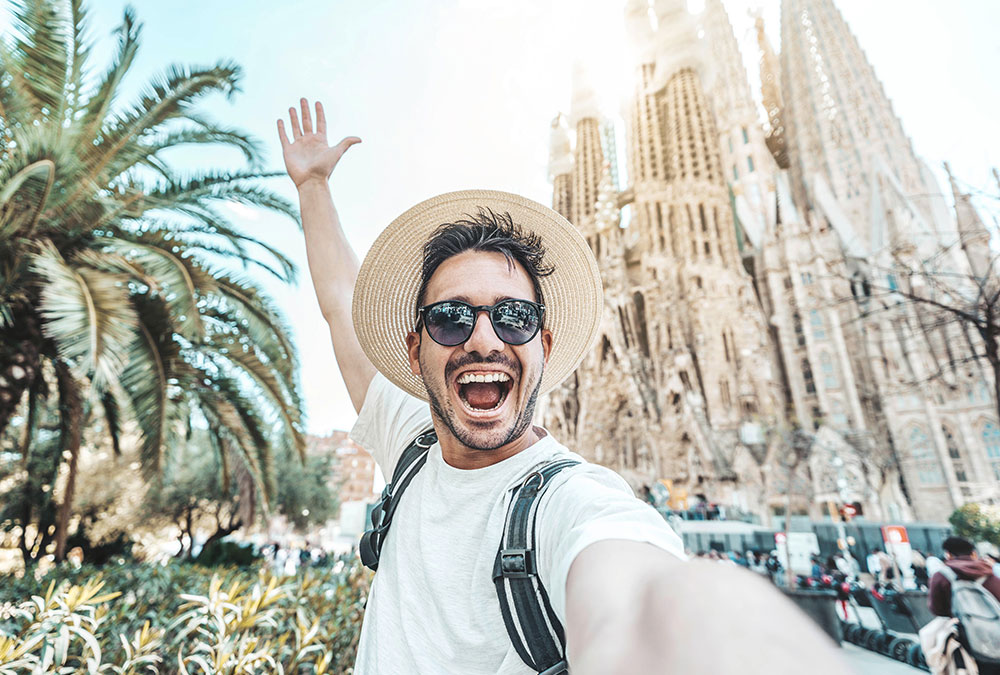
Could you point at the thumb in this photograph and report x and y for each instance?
(347, 142)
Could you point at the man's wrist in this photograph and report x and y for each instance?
(313, 185)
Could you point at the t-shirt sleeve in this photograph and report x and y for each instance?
(389, 420)
(593, 504)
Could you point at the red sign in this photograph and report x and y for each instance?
(895, 534)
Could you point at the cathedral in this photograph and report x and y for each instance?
(753, 351)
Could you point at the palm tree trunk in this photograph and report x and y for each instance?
(19, 365)
(70, 419)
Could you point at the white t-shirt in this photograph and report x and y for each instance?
(433, 607)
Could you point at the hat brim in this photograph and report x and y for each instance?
(385, 295)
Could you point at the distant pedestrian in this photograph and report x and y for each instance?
(919, 563)
(963, 564)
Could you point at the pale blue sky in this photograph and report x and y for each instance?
(452, 94)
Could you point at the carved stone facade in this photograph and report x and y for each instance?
(738, 303)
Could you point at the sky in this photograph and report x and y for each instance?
(455, 94)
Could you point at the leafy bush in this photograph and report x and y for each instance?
(222, 552)
(182, 619)
(977, 522)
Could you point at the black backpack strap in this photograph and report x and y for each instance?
(534, 629)
(409, 463)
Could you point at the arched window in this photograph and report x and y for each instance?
(800, 336)
(991, 441)
(924, 460)
(838, 418)
(818, 327)
(955, 455)
(830, 380)
(807, 375)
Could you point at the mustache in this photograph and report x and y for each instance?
(476, 360)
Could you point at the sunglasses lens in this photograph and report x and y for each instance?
(515, 322)
(449, 323)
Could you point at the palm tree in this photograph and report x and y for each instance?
(122, 282)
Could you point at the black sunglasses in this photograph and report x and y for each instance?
(451, 322)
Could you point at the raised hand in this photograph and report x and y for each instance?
(308, 156)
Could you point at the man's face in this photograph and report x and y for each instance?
(481, 415)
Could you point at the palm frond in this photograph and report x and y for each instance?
(153, 358)
(273, 388)
(87, 313)
(34, 201)
(167, 97)
(264, 323)
(98, 105)
(41, 52)
(180, 279)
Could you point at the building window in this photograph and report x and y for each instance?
(838, 418)
(830, 380)
(807, 375)
(924, 460)
(800, 336)
(991, 441)
(736, 173)
(807, 278)
(818, 327)
(724, 390)
(750, 164)
(955, 455)
(746, 137)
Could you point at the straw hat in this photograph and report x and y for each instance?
(385, 295)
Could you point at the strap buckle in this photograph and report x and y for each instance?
(559, 669)
(515, 563)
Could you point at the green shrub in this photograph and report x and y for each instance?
(977, 522)
(222, 553)
(183, 619)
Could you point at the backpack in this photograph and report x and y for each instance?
(978, 614)
(533, 628)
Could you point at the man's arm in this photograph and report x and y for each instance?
(632, 607)
(939, 595)
(333, 266)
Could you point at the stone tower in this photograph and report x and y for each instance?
(843, 133)
(684, 364)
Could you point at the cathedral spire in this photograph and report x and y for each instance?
(972, 233)
(588, 157)
(839, 123)
(770, 90)
(561, 166)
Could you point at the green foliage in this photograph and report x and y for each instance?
(183, 618)
(222, 553)
(977, 522)
(304, 492)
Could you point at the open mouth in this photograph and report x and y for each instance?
(483, 391)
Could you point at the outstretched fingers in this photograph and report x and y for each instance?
(307, 123)
(320, 119)
(282, 136)
(296, 129)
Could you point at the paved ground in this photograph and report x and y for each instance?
(865, 662)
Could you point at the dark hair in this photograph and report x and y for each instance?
(958, 546)
(486, 231)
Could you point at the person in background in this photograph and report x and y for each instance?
(960, 556)
(919, 563)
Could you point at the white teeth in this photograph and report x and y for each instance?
(466, 378)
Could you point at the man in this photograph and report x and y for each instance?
(961, 558)
(959, 555)
(470, 306)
